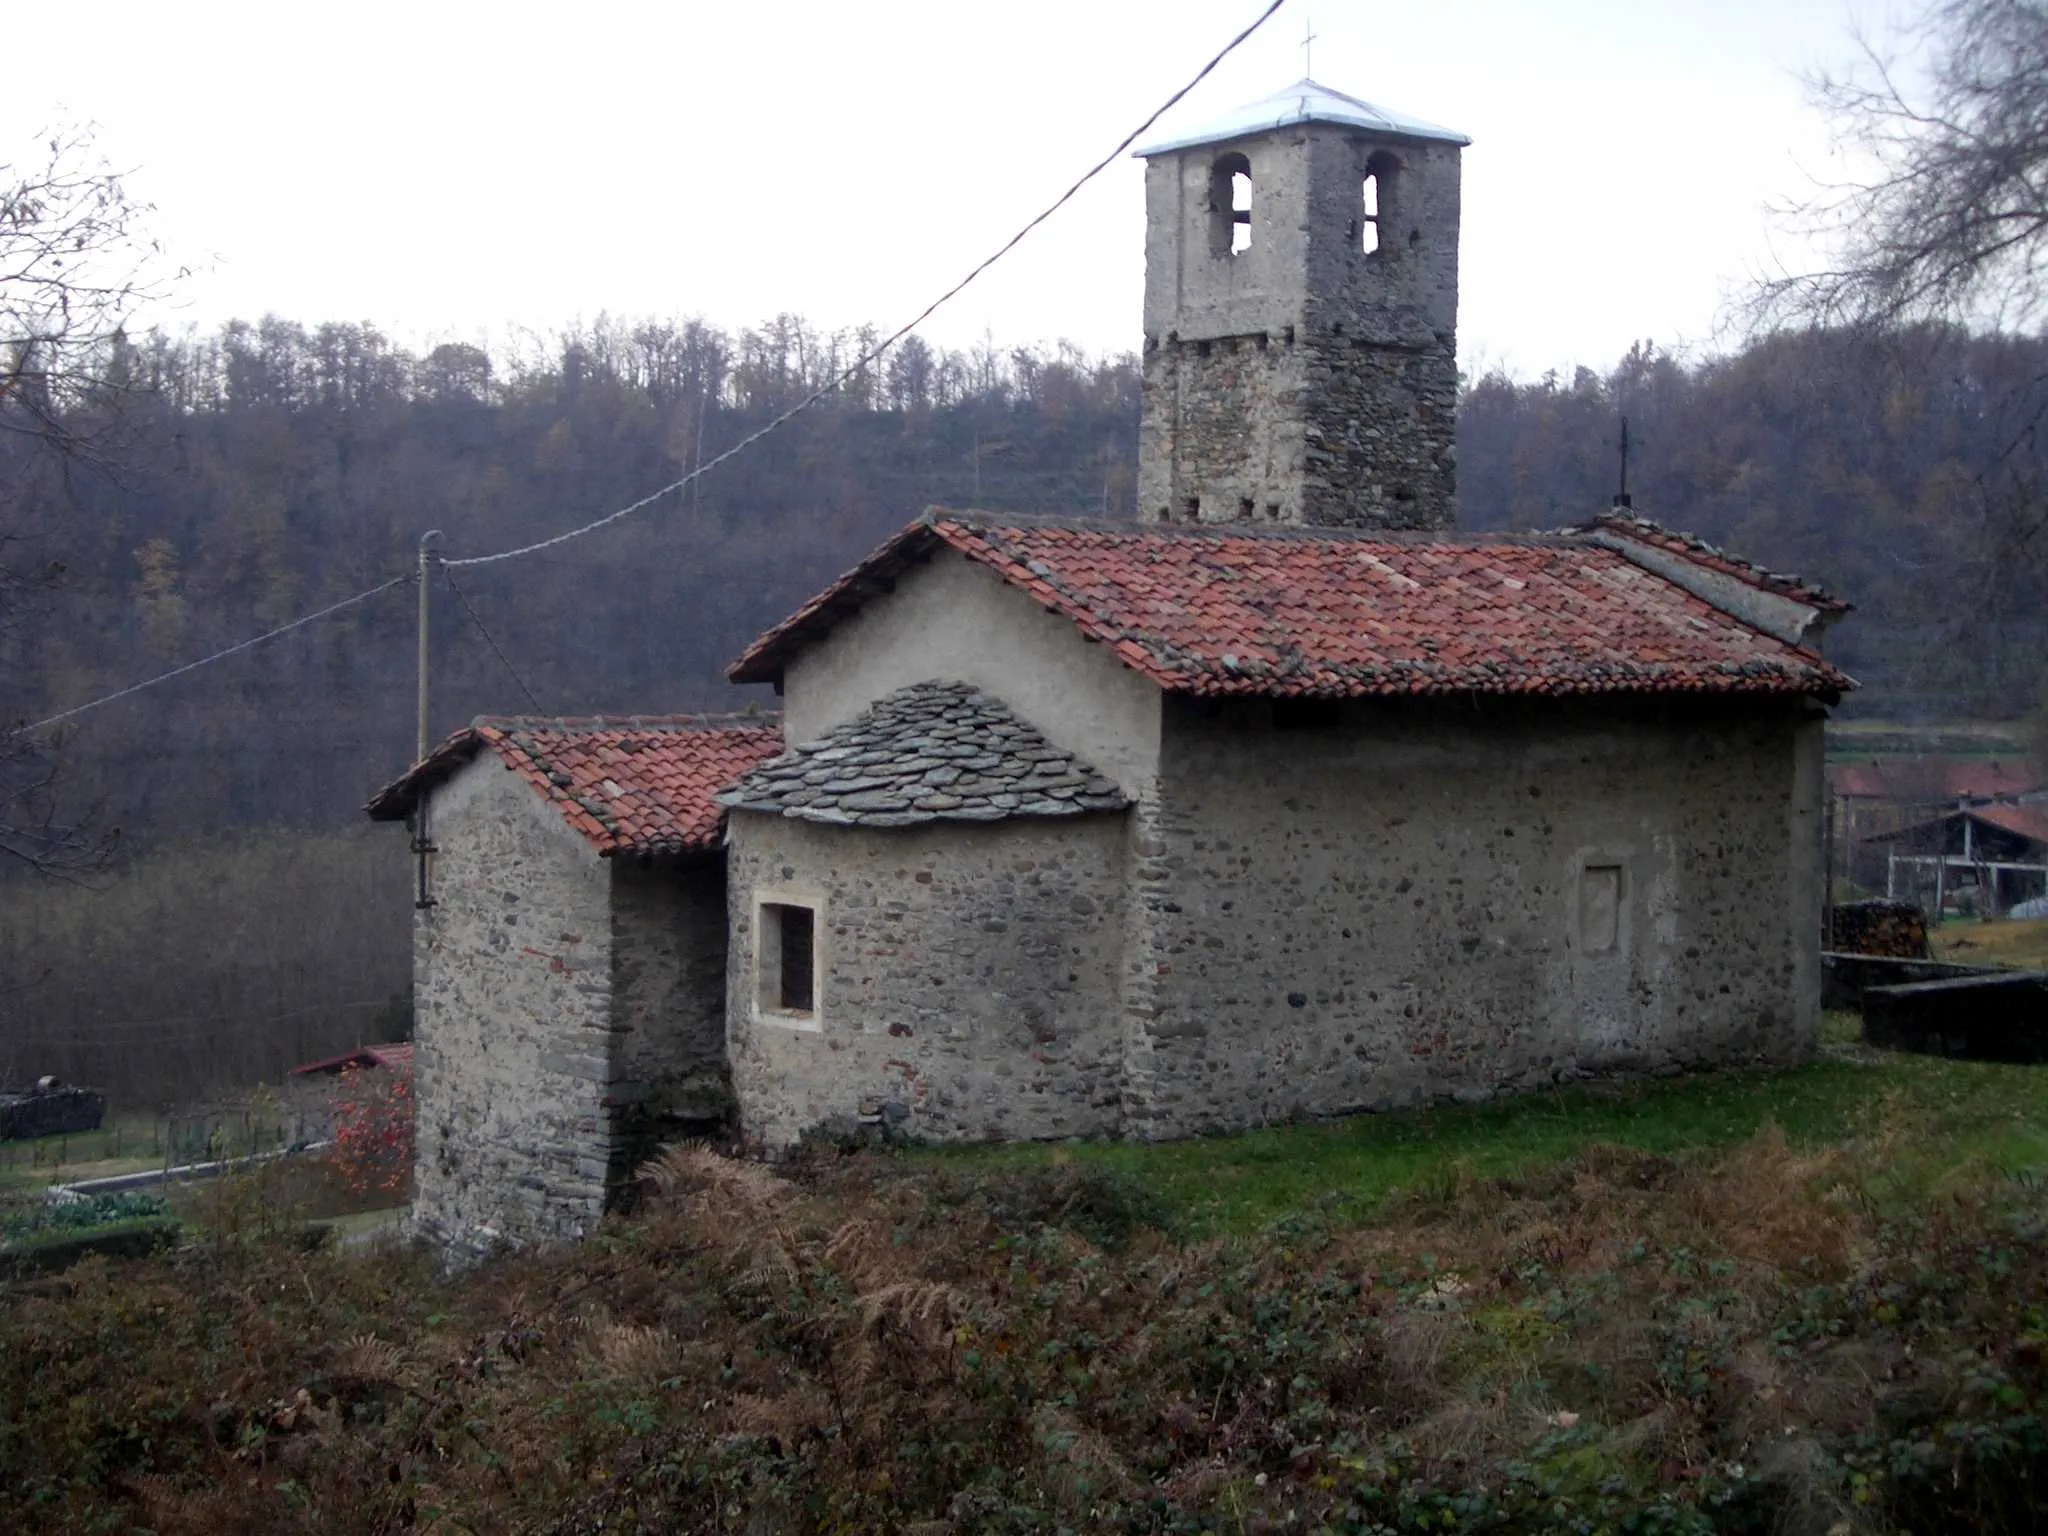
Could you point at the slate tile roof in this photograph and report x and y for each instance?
(935, 751)
(1334, 613)
(642, 784)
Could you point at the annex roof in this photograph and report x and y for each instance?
(1302, 102)
(934, 751)
(1335, 613)
(1927, 780)
(642, 784)
(1656, 536)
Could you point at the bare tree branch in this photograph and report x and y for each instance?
(1953, 221)
(75, 263)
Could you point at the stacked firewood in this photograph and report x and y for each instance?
(1894, 929)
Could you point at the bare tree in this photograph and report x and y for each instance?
(1951, 220)
(1945, 225)
(75, 262)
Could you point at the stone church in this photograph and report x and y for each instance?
(1283, 800)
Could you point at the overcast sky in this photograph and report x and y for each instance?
(452, 170)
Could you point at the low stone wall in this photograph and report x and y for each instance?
(1987, 1018)
(1845, 978)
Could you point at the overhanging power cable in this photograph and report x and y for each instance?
(220, 655)
(869, 358)
(496, 649)
(866, 360)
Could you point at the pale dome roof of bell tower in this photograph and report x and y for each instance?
(1303, 102)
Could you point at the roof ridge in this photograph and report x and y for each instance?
(978, 520)
(730, 720)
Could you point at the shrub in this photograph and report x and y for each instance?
(373, 1129)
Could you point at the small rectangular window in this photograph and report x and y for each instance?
(787, 964)
(1599, 907)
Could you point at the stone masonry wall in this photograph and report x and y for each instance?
(668, 997)
(1428, 900)
(513, 969)
(1327, 432)
(967, 978)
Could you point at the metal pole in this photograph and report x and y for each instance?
(422, 840)
(422, 743)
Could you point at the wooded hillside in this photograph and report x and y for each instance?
(270, 468)
(258, 473)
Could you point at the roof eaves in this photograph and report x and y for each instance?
(396, 800)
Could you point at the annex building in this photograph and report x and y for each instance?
(1283, 800)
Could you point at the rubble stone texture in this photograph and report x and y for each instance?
(935, 751)
(967, 977)
(568, 1006)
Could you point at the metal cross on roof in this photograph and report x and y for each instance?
(1308, 48)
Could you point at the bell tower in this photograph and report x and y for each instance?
(1301, 316)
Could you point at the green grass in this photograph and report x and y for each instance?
(1957, 1114)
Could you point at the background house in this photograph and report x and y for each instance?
(1981, 860)
(1889, 794)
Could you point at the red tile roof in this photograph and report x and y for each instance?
(1334, 613)
(643, 784)
(1928, 780)
(2028, 821)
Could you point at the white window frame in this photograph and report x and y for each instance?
(766, 980)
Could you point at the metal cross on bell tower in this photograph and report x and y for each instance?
(1308, 48)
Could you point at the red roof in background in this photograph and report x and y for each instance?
(640, 785)
(1334, 613)
(396, 1058)
(1927, 780)
(2028, 821)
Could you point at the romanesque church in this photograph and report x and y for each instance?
(1283, 800)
